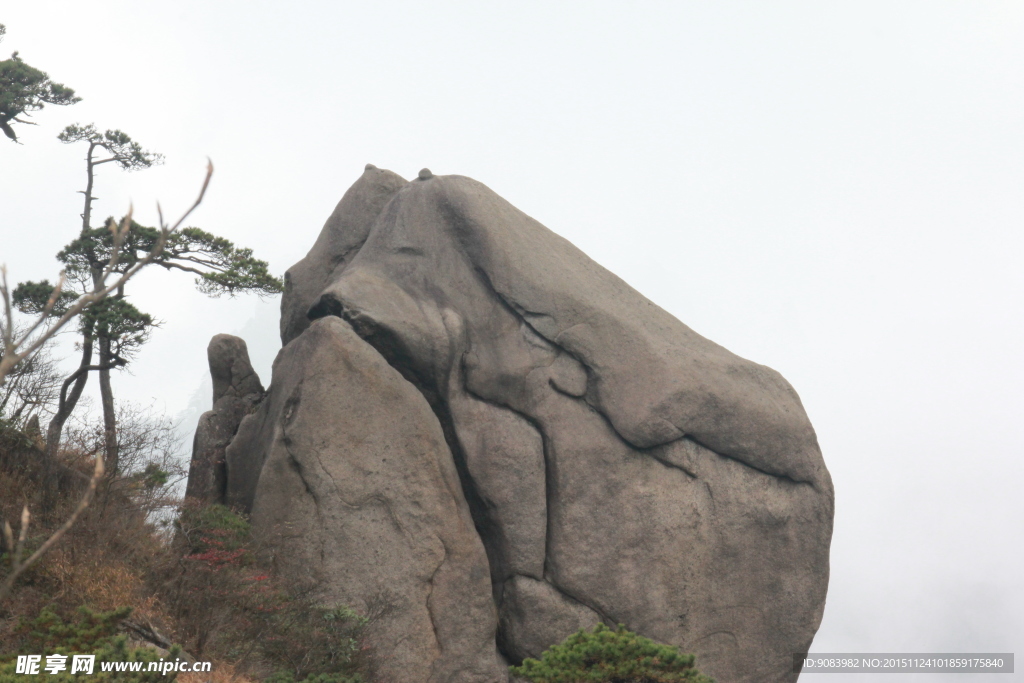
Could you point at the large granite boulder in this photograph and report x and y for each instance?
(616, 465)
(236, 393)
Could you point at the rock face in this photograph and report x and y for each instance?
(615, 465)
(358, 498)
(340, 239)
(236, 392)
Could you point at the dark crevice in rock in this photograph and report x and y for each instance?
(297, 466)
(383, 340)
(325, 305)
(711, 497)
(781, 477)
(299, 470)
(486, 528)
(503, 651)
(554, 385)
(673, 465)
(430, 592)
(221, 481)
(525, 316)
(549, 493)
(398, 357)
(608, 620)
(395, 353)
(523, 313)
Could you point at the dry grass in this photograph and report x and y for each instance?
(103, 562)
(104, 584)
(111, 558)
(202, 591)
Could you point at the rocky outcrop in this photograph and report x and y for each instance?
(354, 492)
(236, 392)
(616, 465)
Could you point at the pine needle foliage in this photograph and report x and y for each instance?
(25, 89)
(124, 151)
(94, 633)
(607, 656)
(222, 267)
(32, 298)
(91, 631)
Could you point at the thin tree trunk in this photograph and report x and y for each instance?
(65, 406)
(68, 401)
(107, 399)
(106, 357)
(77, 380)
(89, 173)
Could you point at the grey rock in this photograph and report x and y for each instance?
(534, 615)
(230, 368)
(505, 442)
(684, 491)
(236, 392)
(356, 495)
(342, 235)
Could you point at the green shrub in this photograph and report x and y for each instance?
(227, 607)
(215, 534)
(48, 630)
(311, 640)
(607, 656)
(95, 633)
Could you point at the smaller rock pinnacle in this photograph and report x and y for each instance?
(425, 174)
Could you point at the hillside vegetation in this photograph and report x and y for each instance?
(141, 576)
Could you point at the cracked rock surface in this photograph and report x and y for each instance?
(576, 453)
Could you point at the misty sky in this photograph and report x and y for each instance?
(835, 190)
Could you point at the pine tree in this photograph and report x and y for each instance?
(116, 327)
(24, 89)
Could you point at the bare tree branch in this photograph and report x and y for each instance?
(177, 266)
